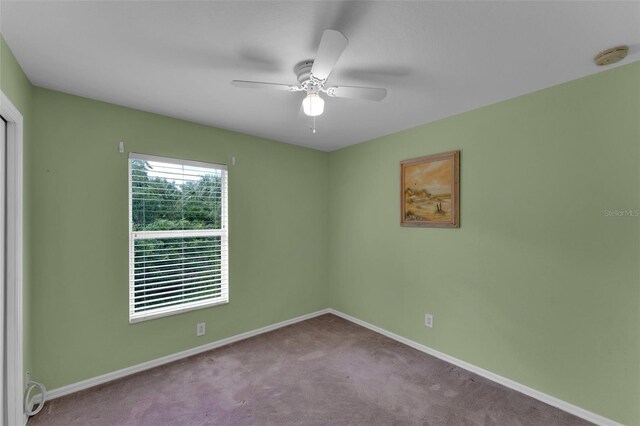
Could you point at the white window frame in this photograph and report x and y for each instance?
(223, 233)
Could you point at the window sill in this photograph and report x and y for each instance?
(165, 313)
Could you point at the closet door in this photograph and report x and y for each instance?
(3, 287)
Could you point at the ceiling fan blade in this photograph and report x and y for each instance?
(260, 85)
(352, 92)
(331, 47)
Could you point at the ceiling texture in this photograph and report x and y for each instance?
(436, 59)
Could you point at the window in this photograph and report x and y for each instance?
(178, 236)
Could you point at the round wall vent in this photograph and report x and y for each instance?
(611, 56)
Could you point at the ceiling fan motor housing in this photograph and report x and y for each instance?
(303, 71)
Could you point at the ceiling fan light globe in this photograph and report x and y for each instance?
(313, 105)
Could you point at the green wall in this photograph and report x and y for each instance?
(15, 85)
(537, 285)
(278, 243)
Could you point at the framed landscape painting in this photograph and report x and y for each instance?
(430, 191)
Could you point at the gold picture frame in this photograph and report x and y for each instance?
(430, 191)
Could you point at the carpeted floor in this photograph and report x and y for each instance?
(324, 371)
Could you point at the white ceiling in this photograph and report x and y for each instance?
(436, 59)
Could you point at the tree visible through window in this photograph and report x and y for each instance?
(178, 239)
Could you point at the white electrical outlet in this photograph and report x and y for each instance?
(428, 320)
(201, 329)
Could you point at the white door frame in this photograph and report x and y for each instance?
(3, 176)
(15, 383)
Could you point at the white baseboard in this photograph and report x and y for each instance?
(94, 381)
(547, 399)
(555, 402)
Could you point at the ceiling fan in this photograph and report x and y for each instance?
(312, 75)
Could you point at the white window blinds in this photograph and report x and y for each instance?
(178, 242)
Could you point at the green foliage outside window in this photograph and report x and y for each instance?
(170, 271)
(159, 204)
